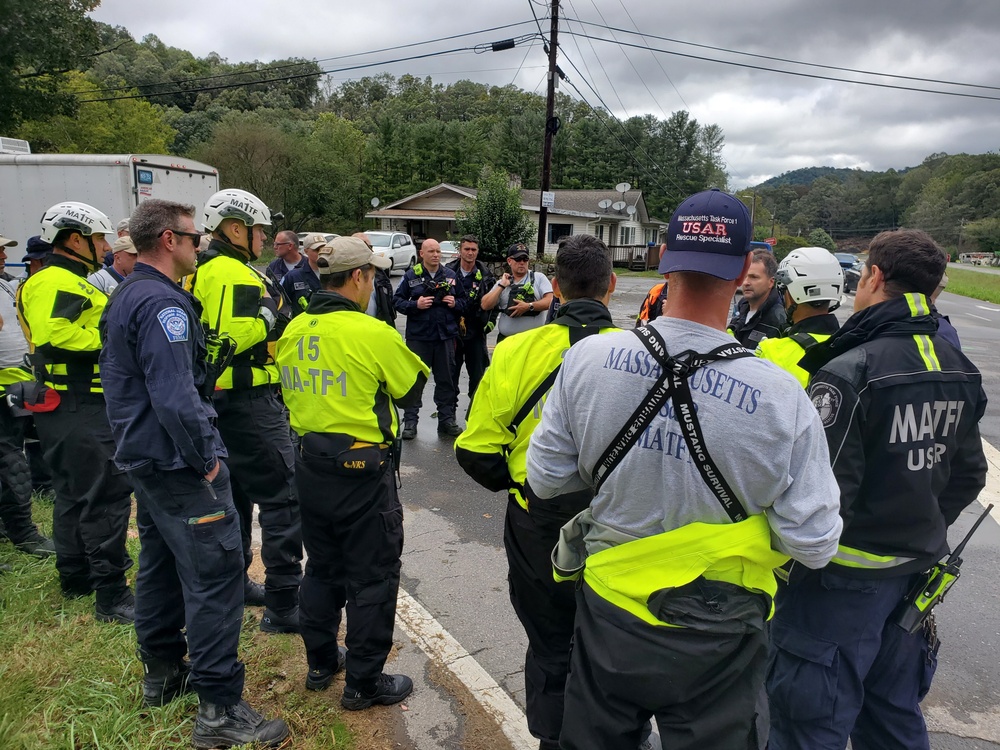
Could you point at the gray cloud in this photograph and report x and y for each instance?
(772, 122)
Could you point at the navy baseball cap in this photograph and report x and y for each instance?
(36, 248)
(709, 233)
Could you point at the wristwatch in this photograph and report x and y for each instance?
(531, 306)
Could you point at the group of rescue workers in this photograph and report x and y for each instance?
(743, 531)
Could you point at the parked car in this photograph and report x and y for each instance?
(396, 246)
(449, 251)
(847, 260)
(852, 276)
(303, 235)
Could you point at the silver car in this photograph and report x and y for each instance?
(396, 246)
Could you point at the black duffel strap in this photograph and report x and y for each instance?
(673, 384)
(536, 395)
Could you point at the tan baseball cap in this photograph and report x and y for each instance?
(312, 241)
(4, 242)
(346, 254)
(124, 245)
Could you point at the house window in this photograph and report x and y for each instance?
(626, 235)
(599, 231)
(559, 230)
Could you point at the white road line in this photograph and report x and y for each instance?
(973, 315)
(991, 493)
(438, 643)
(988, 309)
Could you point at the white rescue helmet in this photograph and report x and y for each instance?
(811, 274)
(81, 217)
(235, 204)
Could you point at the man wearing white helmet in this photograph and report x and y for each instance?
(236, 304)
(810, 282)
(60, 312)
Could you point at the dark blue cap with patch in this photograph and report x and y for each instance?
(709, 233)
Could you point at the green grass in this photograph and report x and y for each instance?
(982, 286)
(68, 682)
(622, 272)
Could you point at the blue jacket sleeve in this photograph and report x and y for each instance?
(401, 300)
(165, 351)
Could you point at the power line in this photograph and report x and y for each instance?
(271, 69)
(289, 77)
(796, 73)
(784, 59)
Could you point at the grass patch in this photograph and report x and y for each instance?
(71, 683)
(982, 286)
(653, 274)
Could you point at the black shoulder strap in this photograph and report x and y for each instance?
(673, 384)
(804, 340)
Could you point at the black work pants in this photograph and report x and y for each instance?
(190, 576)
(471, 352)
(254, 428)
(353, 533)
(545, 609)
(15, 477)
(440, 357)
(93, 498)
(701, 687)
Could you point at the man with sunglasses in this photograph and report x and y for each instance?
(286, 256)
(237, 306)
(159, 387)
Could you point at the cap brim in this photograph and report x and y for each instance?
(380, 261)
(519, 256)
(728, 267)
(4, 242)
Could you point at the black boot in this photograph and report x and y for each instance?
(163, 679)
(35, 544)
(321, 677)
(115, 605)
(253, 593)
(285, 622)
(229, 726)
(389, 689)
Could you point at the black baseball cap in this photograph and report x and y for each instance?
(36, 248)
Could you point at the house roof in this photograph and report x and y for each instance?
(581, 203)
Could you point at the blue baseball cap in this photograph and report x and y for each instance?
(36, 248)
(709, 233)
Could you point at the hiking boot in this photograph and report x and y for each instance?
(253, 593)
(229, 726)
(449, 428)
(389, 689)
(409, 431)
(321, 677)
(37, 545)
(121, 608)
(272, 622)
(163, 679)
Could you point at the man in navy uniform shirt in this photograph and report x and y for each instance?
(158, 376)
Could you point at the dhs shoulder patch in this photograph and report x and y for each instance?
(827, 400)
(174, 322)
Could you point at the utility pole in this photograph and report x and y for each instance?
(551, 126)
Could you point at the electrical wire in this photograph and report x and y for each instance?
(273, 68)
(799, 74)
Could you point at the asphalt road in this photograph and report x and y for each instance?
(454, 563)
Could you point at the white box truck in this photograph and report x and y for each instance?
(114, 184)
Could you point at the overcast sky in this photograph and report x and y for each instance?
(772, 122)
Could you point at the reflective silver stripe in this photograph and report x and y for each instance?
(918, 304)
(860, 561)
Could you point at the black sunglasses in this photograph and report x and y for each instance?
(195, 236)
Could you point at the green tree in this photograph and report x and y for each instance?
(819, 238)
(495, 217)
(41, 41)
(787, 243)
(122, 126)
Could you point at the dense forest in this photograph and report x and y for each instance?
(320, 152)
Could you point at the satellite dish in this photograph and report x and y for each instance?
(618, 205)
(605, 204)
(622, 187)
(375, 202)
(630, 210)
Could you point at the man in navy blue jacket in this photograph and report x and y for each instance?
(428, 297)
(158, 386)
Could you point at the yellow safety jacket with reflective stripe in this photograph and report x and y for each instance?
(628, 574)
(786, 353)
(341, 370)
(230, 293)
(489, 449)
(59, 311)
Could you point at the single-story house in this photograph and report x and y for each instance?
(620, 219)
